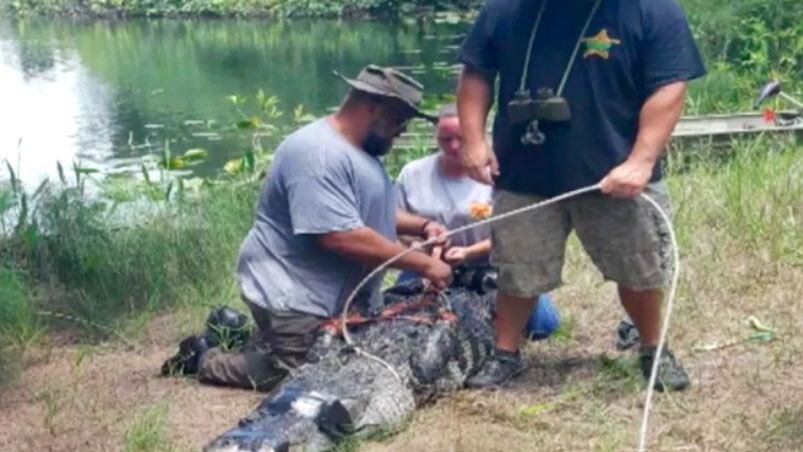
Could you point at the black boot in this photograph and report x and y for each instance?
(500, 368)
(227, 327)
(190, 350)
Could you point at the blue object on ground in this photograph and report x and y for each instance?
(543, 321)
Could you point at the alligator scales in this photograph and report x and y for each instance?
(434, 342)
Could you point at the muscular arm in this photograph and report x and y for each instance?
(657, 119)
(369, 247)
(408, 223)
(474, 98)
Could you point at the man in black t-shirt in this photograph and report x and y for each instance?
(617, 71)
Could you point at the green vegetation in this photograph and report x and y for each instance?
(17, 317)
(139, 61)
(352, 443)
(785, 429)
(90, 275)
(753, 194)
(146, 244)
(88, 256)
(18, 323)
(99, 257)
(103, 249)
(148, 432)
(90, 253)
(276, 8)
(744, 44)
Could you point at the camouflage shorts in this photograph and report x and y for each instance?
(626, 239)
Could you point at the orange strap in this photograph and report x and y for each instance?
(334, 325)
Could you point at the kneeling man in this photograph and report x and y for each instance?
(326, 217)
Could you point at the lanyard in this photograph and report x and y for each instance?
(526, 70)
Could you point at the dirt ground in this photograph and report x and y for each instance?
(578, 394)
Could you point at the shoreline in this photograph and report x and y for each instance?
(275, 12)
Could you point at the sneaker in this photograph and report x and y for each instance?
(185, 362)
(626, 335)
(500, 368)
(671, 374)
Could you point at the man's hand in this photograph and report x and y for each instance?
(414, 225)
(439, 273)
(474, 97)
(434, 229)
(456, 255)
(659, 115)
(628, 179)
(370, 247)
(480, 162)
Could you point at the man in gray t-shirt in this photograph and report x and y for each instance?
(326, 217)
(318, 183)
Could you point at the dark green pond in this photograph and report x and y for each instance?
(109, 94)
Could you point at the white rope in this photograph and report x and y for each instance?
(664, 328)
(534, 206)
(421, 245)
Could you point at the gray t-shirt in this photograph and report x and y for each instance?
(318, 183)
(423, 189)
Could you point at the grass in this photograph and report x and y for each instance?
(785, 429)
(81, 271)
(753, 195)
(148, 278)
(18, 323)
(737, 214)
(565, 331)
(721, 90)
(53, 402)
(148, 431)
(100, 270)
(19, 327)
(738, 218)
(353, 443)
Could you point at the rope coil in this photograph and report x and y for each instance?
(534, 206)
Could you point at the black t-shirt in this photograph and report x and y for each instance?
(631, 48)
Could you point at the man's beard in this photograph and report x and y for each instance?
(376, 145)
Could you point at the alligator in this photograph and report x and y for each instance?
(432, 342)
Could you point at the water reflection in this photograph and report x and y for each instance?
(102, 91)
(52, 110)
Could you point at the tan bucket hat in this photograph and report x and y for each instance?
(389, 82)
